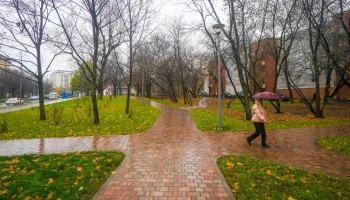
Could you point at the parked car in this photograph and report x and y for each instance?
(227, 95)
(53, 96)
(239, 94)
(203, 94)
(34, 98)
(13, 101)
(284, 98)
(46, 96)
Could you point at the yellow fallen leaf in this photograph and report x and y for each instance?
(15, 160)
(239, 163)
(291, 198)
(268, 172)
(79, 169)
(236, 186)
(81, 188)
(51, 181)
(49, 196)
(229, 165)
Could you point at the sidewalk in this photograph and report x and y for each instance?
(174, 160)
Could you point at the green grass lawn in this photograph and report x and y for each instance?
(207, 121)
(77, 119)
(56, 176)
(258, 179)
(233, 118)
(340, 144)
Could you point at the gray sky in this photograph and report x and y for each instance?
(168, 9)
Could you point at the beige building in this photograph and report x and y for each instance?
(61, 78)
(4, 63)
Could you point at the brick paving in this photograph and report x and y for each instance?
(174, 160)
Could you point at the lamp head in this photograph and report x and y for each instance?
(218, 27)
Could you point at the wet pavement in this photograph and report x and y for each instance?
(27, 104)
(174, 160)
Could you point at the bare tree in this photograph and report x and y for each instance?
(137, 20)
(115, 73)
(242, 29)
(26, 33)
(287, 18)
(90, 31)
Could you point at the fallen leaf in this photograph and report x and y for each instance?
(229, 165)
(51, 181)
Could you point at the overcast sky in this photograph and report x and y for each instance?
(168, 10)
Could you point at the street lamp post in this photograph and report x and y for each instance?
(143, 81)
(218, 28)
(20, 83)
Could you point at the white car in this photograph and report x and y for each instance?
(53, 97)
(13, 101)
(34, 98)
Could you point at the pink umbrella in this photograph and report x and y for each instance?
(266, 95)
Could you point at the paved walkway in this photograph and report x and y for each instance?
(174, 160)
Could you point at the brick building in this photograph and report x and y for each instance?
(213, 81)
(342, 46)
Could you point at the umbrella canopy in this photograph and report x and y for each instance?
(266, 95)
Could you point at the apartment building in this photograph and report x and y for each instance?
(61, 78)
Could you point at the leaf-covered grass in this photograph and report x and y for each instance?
(233, 118)
(340, 144)
(56, 176)
(207, 121)
(258, 179)
(77, 119)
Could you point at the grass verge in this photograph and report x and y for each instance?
(340, 144)
(56, 176)
(77, 119)
(258, 179)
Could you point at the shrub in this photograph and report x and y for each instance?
(4, 126)
(130, 114)
(88, 110)
(77, 103)
(57, 114)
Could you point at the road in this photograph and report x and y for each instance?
(27, 104)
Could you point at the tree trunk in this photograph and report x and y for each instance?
(41, 98)
(128, 100)
(40, 85)
(94, 101)
(99, 91)
(114, 90)
(288, 82)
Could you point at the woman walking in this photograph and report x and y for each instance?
(258, 119)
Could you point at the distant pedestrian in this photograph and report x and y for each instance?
(314, 97)
(258, 119)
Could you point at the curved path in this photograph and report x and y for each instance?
(174, 160)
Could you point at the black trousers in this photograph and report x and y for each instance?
(259, 129)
